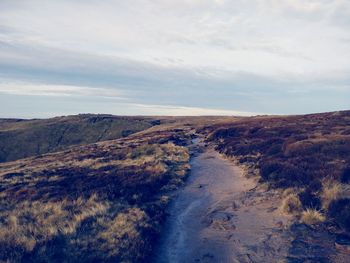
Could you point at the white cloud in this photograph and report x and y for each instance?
(38, 89)
(264, 37)
(186, 111)
(200, 53)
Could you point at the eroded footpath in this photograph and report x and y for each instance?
(221, 216)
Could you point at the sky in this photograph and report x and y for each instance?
(173, 57)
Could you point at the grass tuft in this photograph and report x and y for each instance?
(291, 204)
(332, 191)
(312, 217)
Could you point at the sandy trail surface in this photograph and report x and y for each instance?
(222, 216)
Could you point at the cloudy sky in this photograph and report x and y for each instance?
(173, 57)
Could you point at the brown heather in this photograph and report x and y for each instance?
(99, 202)
(309, 154)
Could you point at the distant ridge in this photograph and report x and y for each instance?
(20, 138)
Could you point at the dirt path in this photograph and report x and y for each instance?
(221, 216)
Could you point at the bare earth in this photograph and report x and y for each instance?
(221, 216)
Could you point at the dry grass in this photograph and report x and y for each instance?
(122, 234)
(301, 152)
(31, 223)
(97, 203)
(332, 191)
(291, 203)
(312, 217)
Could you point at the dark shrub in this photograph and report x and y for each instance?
(309, 199)
(283, 174)
(293, 175)
(340, 211)
(274, 149)
(300, 137)
(345, 177)
(12, 175)
(346, 132)
(254, 130)
(248, 159)
(314, 186)
(269, 167)
(230, 132)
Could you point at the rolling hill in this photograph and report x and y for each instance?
(23, 138)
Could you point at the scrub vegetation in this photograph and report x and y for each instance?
(98, 199)
(308, 154)
(100, 202)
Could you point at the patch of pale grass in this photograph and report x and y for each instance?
(289, 191)
(182, 170)
(35, 222)
(157, 168)
(122, 234)
(175, 153)
(85, 163)
(291, 204)
(332, 191)
(312, 217)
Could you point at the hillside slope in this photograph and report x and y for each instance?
(106, 201)
(101, 202)
(308, 155)
(23, 138)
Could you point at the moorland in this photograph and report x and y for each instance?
(91, 188)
